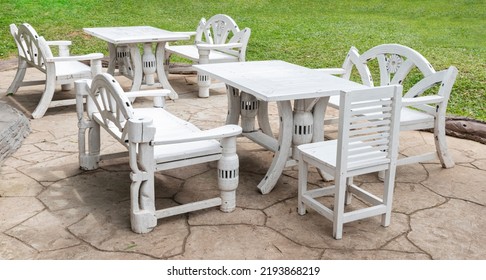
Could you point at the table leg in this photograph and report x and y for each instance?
(234, 108)
(248, 111)
(137, 67)
(262, 116)
(283, 151)
(113, 51)
(148, 64)
(161, 73)
(319, 113)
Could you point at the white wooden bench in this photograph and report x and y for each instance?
(216, 41)
(424, 101)
(35, 52)
(156, 140)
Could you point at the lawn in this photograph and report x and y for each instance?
(310, 33)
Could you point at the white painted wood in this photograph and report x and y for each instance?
(217, 40)
(395, 63)
(359, 149)
(281, 82)
(155, 140)
(35, 52)
(123, 45)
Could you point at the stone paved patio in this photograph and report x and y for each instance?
(50, 209)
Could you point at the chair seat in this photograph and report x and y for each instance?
(169, 126)
(325, 152)
(334, 101)
(190, 52)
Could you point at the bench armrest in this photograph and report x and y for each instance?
(59, 43)
(406, 101)
(157, 94)
(225, 131)
(148, 93)
(92, 56)
(205, 46)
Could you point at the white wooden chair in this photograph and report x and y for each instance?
(35, 52)
(367, 142)
(217, 40)
(156, 140)
(424, 105)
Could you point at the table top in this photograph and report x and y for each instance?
(134, 34)
(276, 80)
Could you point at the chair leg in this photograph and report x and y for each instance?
(389, 183)
(381, 175)
(441, 145)
(349, 195)
(302, 183)
(228, 177)
(19, 77)
(46, 97)
(338, 215)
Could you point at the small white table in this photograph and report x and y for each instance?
(123, 48)
(250, 85)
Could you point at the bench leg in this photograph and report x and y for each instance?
(228, 174)
(142, 219)
(46, 98)
(142, 192)
(441, 145)
(89, 160)
(19, 77)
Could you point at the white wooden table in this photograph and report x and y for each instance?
(251, 85)
(123, 47)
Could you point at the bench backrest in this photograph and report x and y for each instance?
(395, 65)
(222, 29)
(31, 47)
(107, 99)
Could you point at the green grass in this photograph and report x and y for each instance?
(309, 33)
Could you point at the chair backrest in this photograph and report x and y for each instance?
(222, 29)
(369, 127)
(31, 47)
(395, 63)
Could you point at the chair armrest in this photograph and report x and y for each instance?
(91, 56)
(225, 131)
(218, 46)
(406, 101)
(332, 71)
(59, 43)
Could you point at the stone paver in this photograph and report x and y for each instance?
(50, 209)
